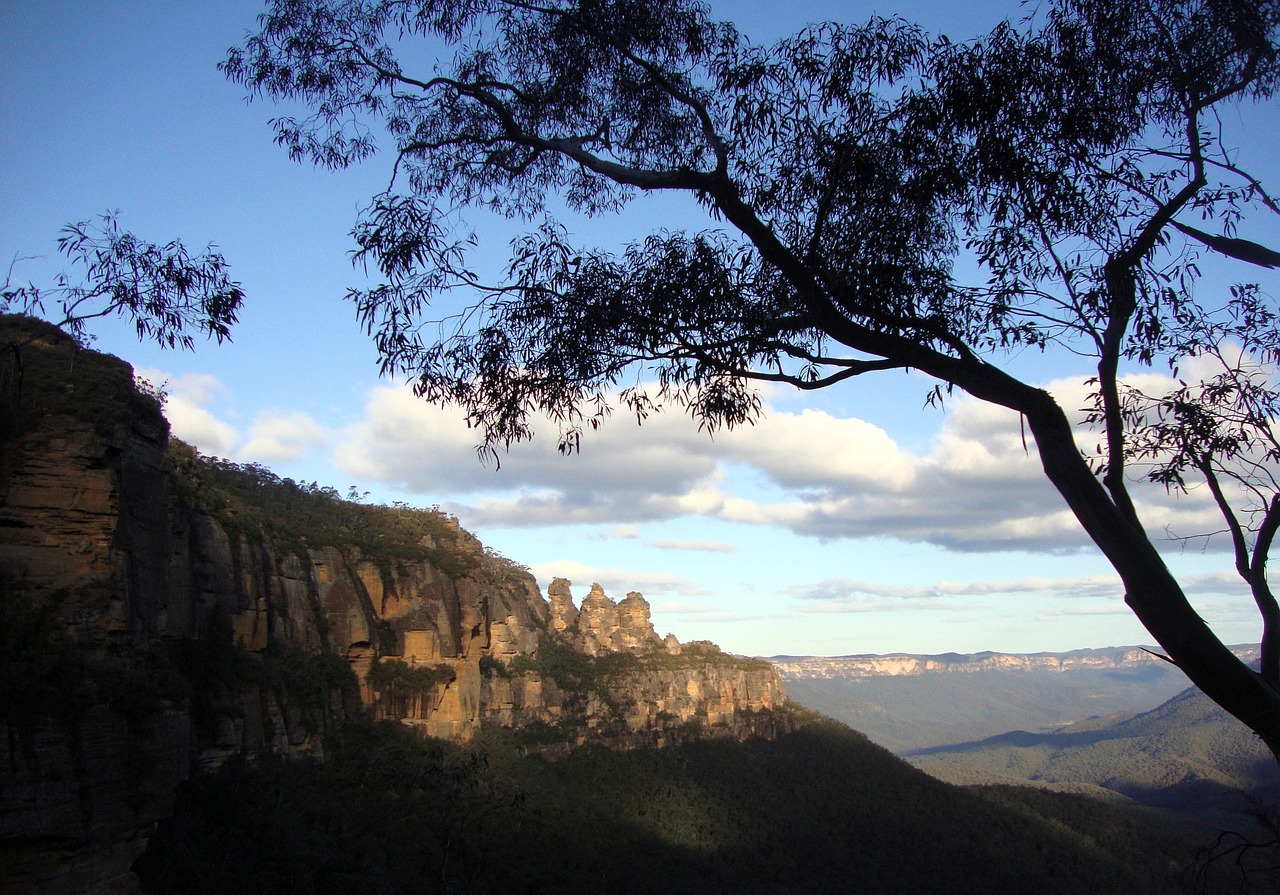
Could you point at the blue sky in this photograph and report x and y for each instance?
(850, 521)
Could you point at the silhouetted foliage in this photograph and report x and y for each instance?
(1216, 427)
(844, 170)
(1249, 855)
(162, 289)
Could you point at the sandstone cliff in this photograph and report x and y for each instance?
(163, 611)
(602, 673)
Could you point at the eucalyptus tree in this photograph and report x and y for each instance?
(164, 291)
(1080, 156)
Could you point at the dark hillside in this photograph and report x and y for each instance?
(819, 810)
(1186, 754)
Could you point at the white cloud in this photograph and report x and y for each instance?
(617, 583)
(879, 604)
(978, 486)
(1115, 609)
(837, 590)
(277, 436)
(190, 406)
(700, 546)
(1217, 583)
(422, 447)
(187, 409)
(814, 449)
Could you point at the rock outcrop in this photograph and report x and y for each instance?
(603, 674)
(247, 614)
(602, 626)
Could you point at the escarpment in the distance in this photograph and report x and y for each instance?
(906, 702)
(162, 612)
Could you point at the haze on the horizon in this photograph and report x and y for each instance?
(849, 521)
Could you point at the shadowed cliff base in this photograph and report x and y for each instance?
(818, 809)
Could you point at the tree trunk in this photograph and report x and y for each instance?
(1151, 591)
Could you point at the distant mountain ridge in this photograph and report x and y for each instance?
(907, 702)
(1186, 753)
(1139, 732)
(900, 664)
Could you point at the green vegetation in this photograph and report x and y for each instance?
(251, 500)
(44, 675)
(1185, 754)
(304, 684)
(579, 676)
(399, 685)
(491, 667)
(819, 810)
(50, 374)
(575, 671)
(591, 681)
(696, 655)
(307, 682)
(389, 675)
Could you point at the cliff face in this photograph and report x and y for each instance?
(602, 673)
(162, 612)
